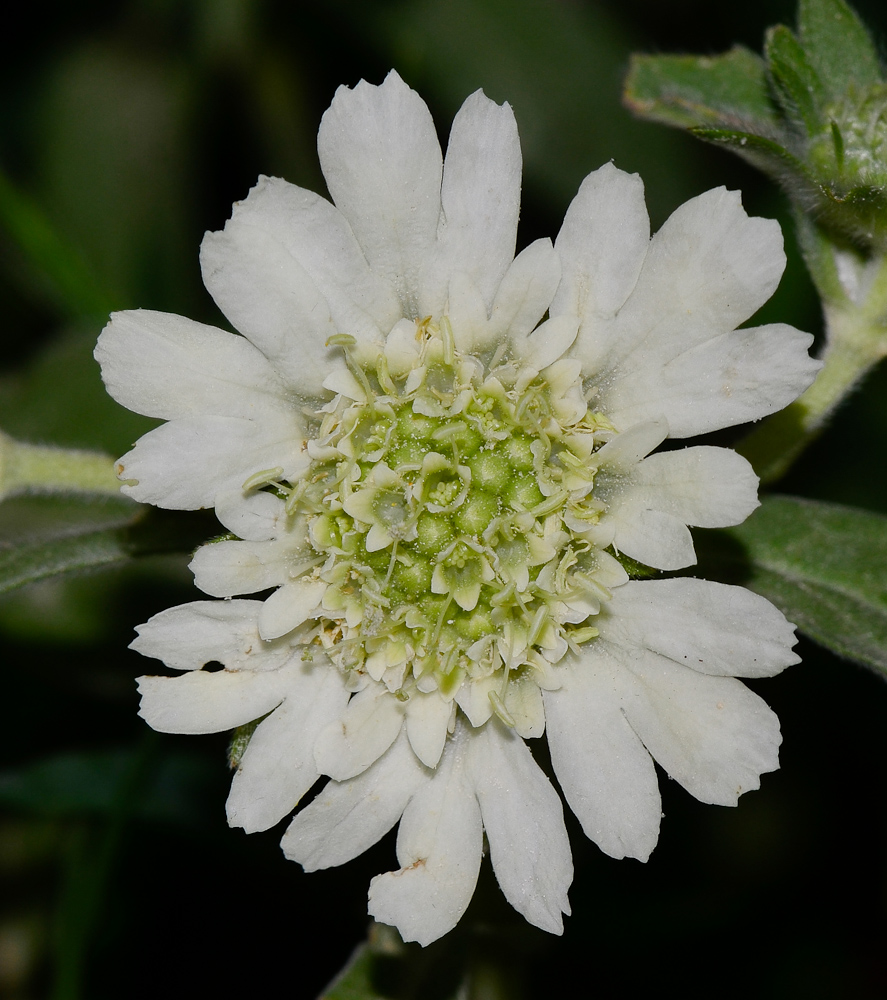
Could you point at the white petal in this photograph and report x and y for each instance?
(605, 773)
(255, 517)
(428, 717)
(650, 536)
(402, 349)
(382, 163)
(268, 297)
(733, 378)
(167, 366)
(189, 636)
(711, 627)
(706, 271)
(348, 817)
(703, 486)
(480, 201)
(183, 464)
(474, 699)
(467, 313)
(226, 568)
(523, 702)
(368, 726)
(526, 290)
(711, 734)
(204, 702)
(622, 453)
(289, 606)
(288, 273)
(548, 342)
(651, 504)
(524, 822)
(439, 849)
(278, 766)
(602, 245)
(342, 382)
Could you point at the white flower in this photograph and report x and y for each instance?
(442, 484)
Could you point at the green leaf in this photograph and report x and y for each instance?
(764, 153)
(30, 563)
(795, 81)
(726, 91)
(857, 214)
(355, 981)
(825, 567)
(44, 536)
(838, 45)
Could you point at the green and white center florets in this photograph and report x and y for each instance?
(448, 502)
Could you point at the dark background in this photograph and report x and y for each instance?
(131, 127)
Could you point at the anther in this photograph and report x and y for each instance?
(500, 710)
(550, 504)
(346, 342)
(266, 477)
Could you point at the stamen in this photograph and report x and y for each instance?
(346, 342)
(384, 377)
(550, 505)
(295, 497)
(539, 622)
(266, 477)
(500, 710)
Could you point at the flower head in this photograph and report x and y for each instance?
(438, 455)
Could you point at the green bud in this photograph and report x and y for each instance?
(412, 580)
(518, 450)
(433, 533)
(407, 453)
(414, 426)
(526, 492)
(475, 515)
(476, 625)
(490, 472)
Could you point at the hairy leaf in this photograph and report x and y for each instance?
(838, 45)
(44, 536)
(727, 91)
(794, 80)
(825, 566)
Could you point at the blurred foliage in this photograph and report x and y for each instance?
(128, 129)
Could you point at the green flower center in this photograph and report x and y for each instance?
(449, 506)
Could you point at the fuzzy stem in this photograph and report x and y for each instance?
(856, 340)
(33, 468)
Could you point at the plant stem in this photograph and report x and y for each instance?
(32, 468)
(856, 340)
